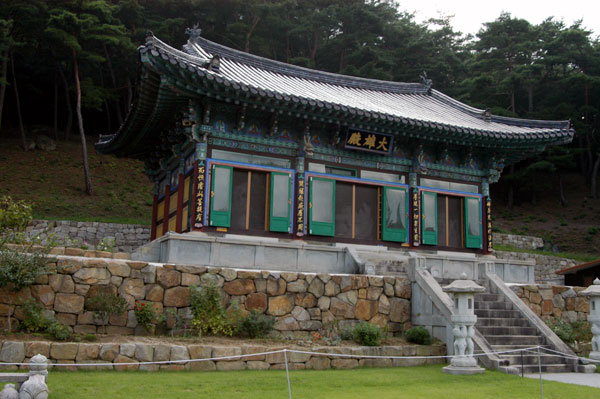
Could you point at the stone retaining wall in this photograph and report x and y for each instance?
(300, 302)
(127, 237)
(115, 353)
(549, 301)
(545, 265)
(521, 242)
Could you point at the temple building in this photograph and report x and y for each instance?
(245, 145)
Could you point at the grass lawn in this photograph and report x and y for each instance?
(412, 382)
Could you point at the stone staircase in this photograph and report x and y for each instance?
(506, 329)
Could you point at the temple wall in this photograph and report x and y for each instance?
(127, 237)
(132, 352)
(548, 301)
(301, 302)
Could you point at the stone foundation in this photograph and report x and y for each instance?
(545, 265)
(517, 241)
(115, 353)
(549, 301)
(301, 302)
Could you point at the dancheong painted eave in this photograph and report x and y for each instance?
(170, 77)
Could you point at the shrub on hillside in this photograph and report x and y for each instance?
(418, 335)
(210, 317)
(367, 334)
(578, 331)
(34, 319)
(256, 324)
(14, 215)
(105, 305)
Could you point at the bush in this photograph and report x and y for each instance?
(367, 334)
(105, 305)
(210, 317)
(256, 324)
(34, 319)
(90, 337)
(347, 334)
(578, 331)
(106, 244)
(14, 215)
(146, 316)
(60, 332)
(418, 335)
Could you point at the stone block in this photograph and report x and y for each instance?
(87, 352)
(359, 282)
(136, 265)
(179, 352)
(118, 330)
(92, 275)
(44, 294)
(365, 309)
(63, 351)
(399, 310)
(379, 320)
(376, 281)
(235, 365)
(108, 352)
(402, 288)
(212, 279)
(375, 362)
(116, 281)
(340, 363)
(349, 296)
(324, 302)
(84, 329)
(127, 350)
(289, 277)
(120, 269)
(319, 363)
(332, 288)
(373, 293)
(341, 309)
(228, 274)
(257, 365)
(154, 292)
(344, 283)
(162, 353)
(225, 351)
(297, 286)
(144, 352)
(256, 301)
(34, 348)
(68, 266)
(248, 274)
(200, 351)
(276, 287)
(206, 365)
(134, 287)
(384, 305)
(126, 367)
(61, 283)
(168, 278)
(68, 303)
(12, 352)
(189, 280)
(177, 297)
(300, 314)
(286, 324)
(239, 287)
(247, 350)
(316, 287)
(280, 305)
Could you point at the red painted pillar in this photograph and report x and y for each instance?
(179, 203)
(154, 217)
(166, 209)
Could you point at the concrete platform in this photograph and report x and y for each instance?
(588, 379)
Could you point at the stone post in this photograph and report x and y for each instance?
(593, 291)
(463, 326)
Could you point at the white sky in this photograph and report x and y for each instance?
(469, 15)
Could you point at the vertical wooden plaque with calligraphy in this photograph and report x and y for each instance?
(300, 219)
(488, 218)
(416, 219)
(200, 182)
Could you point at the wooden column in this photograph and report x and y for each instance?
(180, 189)
(166, 210)
(154, 217)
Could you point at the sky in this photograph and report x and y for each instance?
(469, 15)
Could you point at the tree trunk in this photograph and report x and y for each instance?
(563, 199)
(55, 107)
(86, 169)
(107, 108)
(18, 101)
(594, 190)
(114, 82)
(315, 46)
(68, 102)
(4, 83)
(512, 99)
(255, 20)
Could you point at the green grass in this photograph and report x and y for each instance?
(397, 383)
(568, 255)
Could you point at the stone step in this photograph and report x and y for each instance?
(532, 358)
(514, 339)
(497, 313)
(546, 368)
(501, 322)
(488, 298)
(507, 330)
(493, 305)
(502, 347)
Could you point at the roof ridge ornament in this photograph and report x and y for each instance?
(487, 115)
(193, 32)
(426, 81)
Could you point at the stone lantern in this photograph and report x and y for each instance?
(593, 291)
(463, 322)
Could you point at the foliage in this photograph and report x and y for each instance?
(347, 334)
(21, 269)
(256, 324)
(146, 316)
(209, 315)
(59, 332)
(90, 337)
(106, 244)
(105, 305)
(14, 215)
(418, 335)
(367, 334)
(34, 319)
(577, 331)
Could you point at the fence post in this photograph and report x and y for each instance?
(287, 372)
